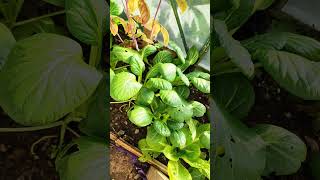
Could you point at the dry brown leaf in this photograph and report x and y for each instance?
(144, 11)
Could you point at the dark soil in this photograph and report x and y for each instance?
(16, 160)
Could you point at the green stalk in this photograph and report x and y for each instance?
(35, 128)
(175, 11)
(38, 18)
(95, 55)
(204, 49)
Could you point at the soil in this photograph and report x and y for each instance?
(16, 160)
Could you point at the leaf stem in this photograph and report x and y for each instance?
(175, 11)
(38, 18)
(204, 49)
(95, 54)
(120, 102)
(35, 128)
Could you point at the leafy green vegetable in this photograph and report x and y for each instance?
(198, 109)
(140, 116)
(161, 128)
(171, 98)
(164, 56)
(7, 41)
(52, 81)
(158, 83)
(168, 71)
(145, 96)
(124, 86)
(177, 171)
(201, 84)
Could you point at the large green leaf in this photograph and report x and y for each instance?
(177, 171)
(158, 83)
(168, 71)
(235, 144)
(45, 78)
(145, 96)
(202, 165)
(115, 8)
(201, 84)
(178, 139)
(198, 109)
(180, 113)
(155, 140)
(140, 116)
(137, 65)
(96, 123)
(294, 73)
(164, 56)
(237, 53)
(90, 159)
(235, 93)
(124, 86)
(285, 150)
(86, 20)
(303, 46)
(161, 128)
(7, 42)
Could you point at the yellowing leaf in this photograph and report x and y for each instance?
(119, 20)
(154, 28)
(143, 36)
(144, 11)
(131, 27)
(183, 5)
(165, 36)
(113, 28)
(132, 6)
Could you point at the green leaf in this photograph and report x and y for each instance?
(178, 50)
(140, 116)
(59, 3)
(52, 81)
(199, 74)
(201, 84)
(158, 106)
(124, 86)
(148, 50)
(171, 153)
(161, 128)
(303, 46)
(171, 98)
(89, 158)
(183, 91)
(237, 53)
(191, 152)
(115, 8)
(7, 42)
(137, 66)
(145, 96)
(202, 165)
(205, 139)
(155, 140)
(198, 109)
(173, 125)
(272, 40)
(177, 171)
(124, 54)
(147, 151)
(192, 58)
(112, 74)
(196, 174)
(96, 123)
(158, 83)
(233, 138)
(86, 20)
(164, 56)
(294, 73)
(192, 127)
(262, 4)
(178, 139)
(154, 71)
(168, 71)
(183, 77)
(285, 150)
(235, 93)
(181, 113)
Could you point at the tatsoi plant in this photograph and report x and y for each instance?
(160, 101)
(46, 81)
(292, 60)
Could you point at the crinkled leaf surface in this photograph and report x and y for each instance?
(145, 96)
(124, 86)
(158, 83)
(171, 98)
(168, 71)
(198, 109)
(45, 78)
(140, 116)
(161, 128)
(201, 84)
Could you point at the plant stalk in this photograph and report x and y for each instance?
(35, 128)
(175, 11)
(38, 18)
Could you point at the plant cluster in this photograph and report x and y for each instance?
(154, 82)
(46, 81)
(292, 60)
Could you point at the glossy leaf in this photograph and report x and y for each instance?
(178, 139)
(198, 109)
(115, 8)
(158, 83)
(171, 153)
(237, 53)
(183, 91)
(148, 50)
(161, 128)
(168, 71)
(145, 96)
(155, 140)
(192, 58)
(124, 86)
(183, 77)
(140, 116)
(52, 81)
(137, 66)
(164, 56)
(173, 125)
(201, 84)
(170, 97)
(205, 139)
(192, 127)
(180, 113)
(285, 150)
